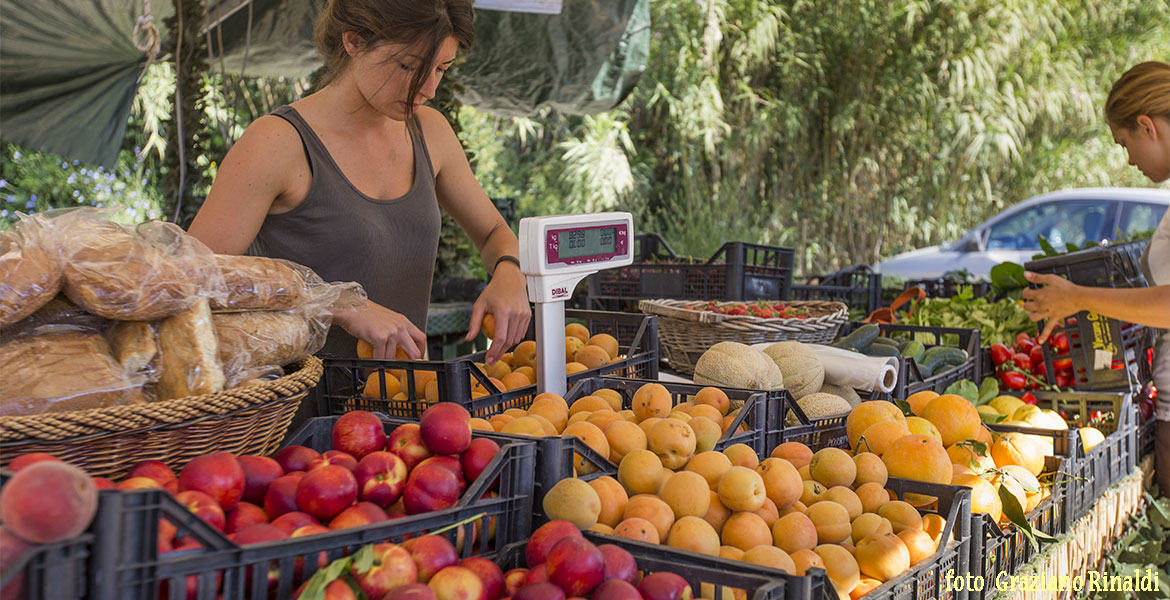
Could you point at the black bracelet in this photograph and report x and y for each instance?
(505, 258)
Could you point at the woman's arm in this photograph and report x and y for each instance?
(257, 172)
(1060, 298)
(506, 296)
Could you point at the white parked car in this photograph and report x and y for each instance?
(1069, 216)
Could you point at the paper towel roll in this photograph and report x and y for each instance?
(852, 369)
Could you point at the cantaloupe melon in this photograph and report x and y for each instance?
(736, 365)
(801, 367)
(848, 393)
(820, 405)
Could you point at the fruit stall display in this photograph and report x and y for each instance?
(930, 358)
(222, 520)
(597, 343)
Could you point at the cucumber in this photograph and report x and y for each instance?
(860, 338)
(885, 341)
(881, 350)
(936, 357)
(914, 350)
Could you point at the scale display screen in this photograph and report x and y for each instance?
(581, 245)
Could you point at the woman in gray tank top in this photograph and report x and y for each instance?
(349, 180)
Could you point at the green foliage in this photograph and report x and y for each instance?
(1145, 547)
(851, 130)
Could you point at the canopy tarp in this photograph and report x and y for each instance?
(69, 68)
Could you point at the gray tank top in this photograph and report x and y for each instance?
(388, 246)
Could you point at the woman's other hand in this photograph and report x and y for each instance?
(1053, 302)
(506, 299)
(390, 333)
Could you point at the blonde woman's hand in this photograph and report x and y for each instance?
(506, 299)
(1053, 302)
(387, 331)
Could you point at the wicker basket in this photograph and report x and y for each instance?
(685, 333)
(107, 442)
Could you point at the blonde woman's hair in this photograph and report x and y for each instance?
(1142, 90)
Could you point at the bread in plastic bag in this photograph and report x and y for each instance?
(31, 269)
(149, 272)
(259, 283)
(189, 350)
(252, 342)
(134, 344)
(63, 370)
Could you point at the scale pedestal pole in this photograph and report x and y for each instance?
(550, 353)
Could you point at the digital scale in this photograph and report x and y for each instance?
(557, 252)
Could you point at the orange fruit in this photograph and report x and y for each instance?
(867, 413)
(919, 400)
(955, 417)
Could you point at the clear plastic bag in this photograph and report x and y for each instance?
(260, 283)
(31, 269)
(61, 369)
(257, 342)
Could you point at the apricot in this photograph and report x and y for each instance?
(694, 534)
(918, 543)
(613, 397)
(613, 500)
(782, 482)
(579, 417)
(651, 400)
(746, 530)
(742, 455)
(845, 497)
(524, 354)
(525, 426)
(741, 489)
(572, 345)
(901, 515)
(805, 560)
(794, 452)
(602, 528)
(797, 507)
(768, 512)
(813, 492)
(840, 566)
(373, 388)
(545, 424)
(552, 409)
(793, 532)
(573, 500)
(606, 342)
(637, 529)
(527, 371)
(594, 438)
(730, 552)
(831, 521)
(832, 467)
(478, 424)
(652, 509)
(717, 514)
(602, 419)
(869, 524)
(673, 441)
(578, 331)
(872, 496)
(640, 472)
(865, 586)
(707, 433)
(624, 437)
(588, 403)
(498, 370)
(646, 424)
(687, 494)
(870, 468)
(767, 555)
(499, 421)
(715, 398)
(882, 557)
(933, 525)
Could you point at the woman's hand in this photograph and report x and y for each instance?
(1055, 301)
(390, 333)
(506, 299)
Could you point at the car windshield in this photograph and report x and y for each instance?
(1063, 223)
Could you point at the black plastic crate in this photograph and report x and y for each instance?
(910, 381)
(1107, 354)
(825, 432)
(343, 379)
(50, 571)
(737, 271)
(858, 287)
(997, 551)
(1108, 462)
(1114, 265)
(949, 288)
(128, 566)
(701, 572)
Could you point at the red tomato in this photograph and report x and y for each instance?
(1022, 361)
(1037, 355)
(1000, 354)
(1025, 346)
(1062, 380)
(1039, 369)
(1028, 398)
(1059, 342)
(1012, 380)
(1062, 364)
(1021, 336)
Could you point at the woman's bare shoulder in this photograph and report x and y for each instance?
(442, 143)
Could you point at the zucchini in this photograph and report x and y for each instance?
(860, 338)
(934, 358)
(914, 350)
(880, 350)
(885, 341)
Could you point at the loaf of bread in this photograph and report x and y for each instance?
(190, 361)
(257, 339)
(116, 273)
(134, 345)
(60, 372)
(258, 283)
(30, 273)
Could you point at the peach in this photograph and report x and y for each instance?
(48, 501)
(29, 458)
(292, 522)
(294, 458)
(576, 566)
(456, 583)
(445, 428)
(664, 585)
(489, 575)
(243, 515)
(362, 513)
(430, 487)
(359, 433)
(545, 537)
(477, 457)
(259, 473)
(431, 553)
(392, 567)
(327, 491)
(158, 471)
(406, 443)
(334, 457)
(218, 475)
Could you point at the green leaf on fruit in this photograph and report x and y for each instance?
(988, 390)
(986, 418)
(964, 388)
(363, 559)
(904, 406)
